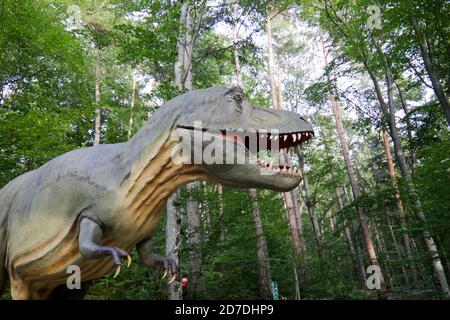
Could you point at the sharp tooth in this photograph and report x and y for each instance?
(285, 137)
(299, 136)
(307, 134)
(294, 136)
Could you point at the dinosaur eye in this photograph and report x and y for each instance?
(237, 98)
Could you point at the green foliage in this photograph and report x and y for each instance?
(44, 101)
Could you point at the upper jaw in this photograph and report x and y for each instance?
(256, 146)
(266, 139)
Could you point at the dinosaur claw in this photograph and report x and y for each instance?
(173, 279)
(165, 274)
(129, 261)
(117, 271)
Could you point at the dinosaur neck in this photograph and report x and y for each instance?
(152, 182)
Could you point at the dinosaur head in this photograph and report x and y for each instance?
(236, 143)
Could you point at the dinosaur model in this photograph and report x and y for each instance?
(90, 206)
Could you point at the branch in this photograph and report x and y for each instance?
(417, 73)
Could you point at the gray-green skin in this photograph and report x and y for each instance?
(76, 194)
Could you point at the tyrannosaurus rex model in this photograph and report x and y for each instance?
(90, 206)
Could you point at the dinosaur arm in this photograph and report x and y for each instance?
(89, 237)
(149, 258)
(146, 254)
(90, 234)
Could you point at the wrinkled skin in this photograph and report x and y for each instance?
(90, 206)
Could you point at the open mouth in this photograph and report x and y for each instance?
(264, 145)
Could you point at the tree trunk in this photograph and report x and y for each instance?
(351, 175)
(395, 243)
(237, 64)
(290, 197)
(389, 114)
(293, 224)
(409, 128)
(183, 80)
(195, 254)
(310, 205)
(273, 78)
(173, 240)
(195, 257)
(265, 278)
(383, 251)
(298, 216)
(220, 214)
(357, 258)
(185, 45)
(349, 165)
(429, 67)
(205, 206)
(400, 208)
(297, 284)
(97, 98)
(444, 255)
(331, 220)
(133, 99)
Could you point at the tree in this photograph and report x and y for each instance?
(349, 165)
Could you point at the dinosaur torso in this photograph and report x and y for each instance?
(43, 226)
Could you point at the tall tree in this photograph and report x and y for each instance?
(349, 165)
(400, 207)
(265, 278)
(388, 111)
(132, 103)
(183, 81)
(290, 198)
(426, 50)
